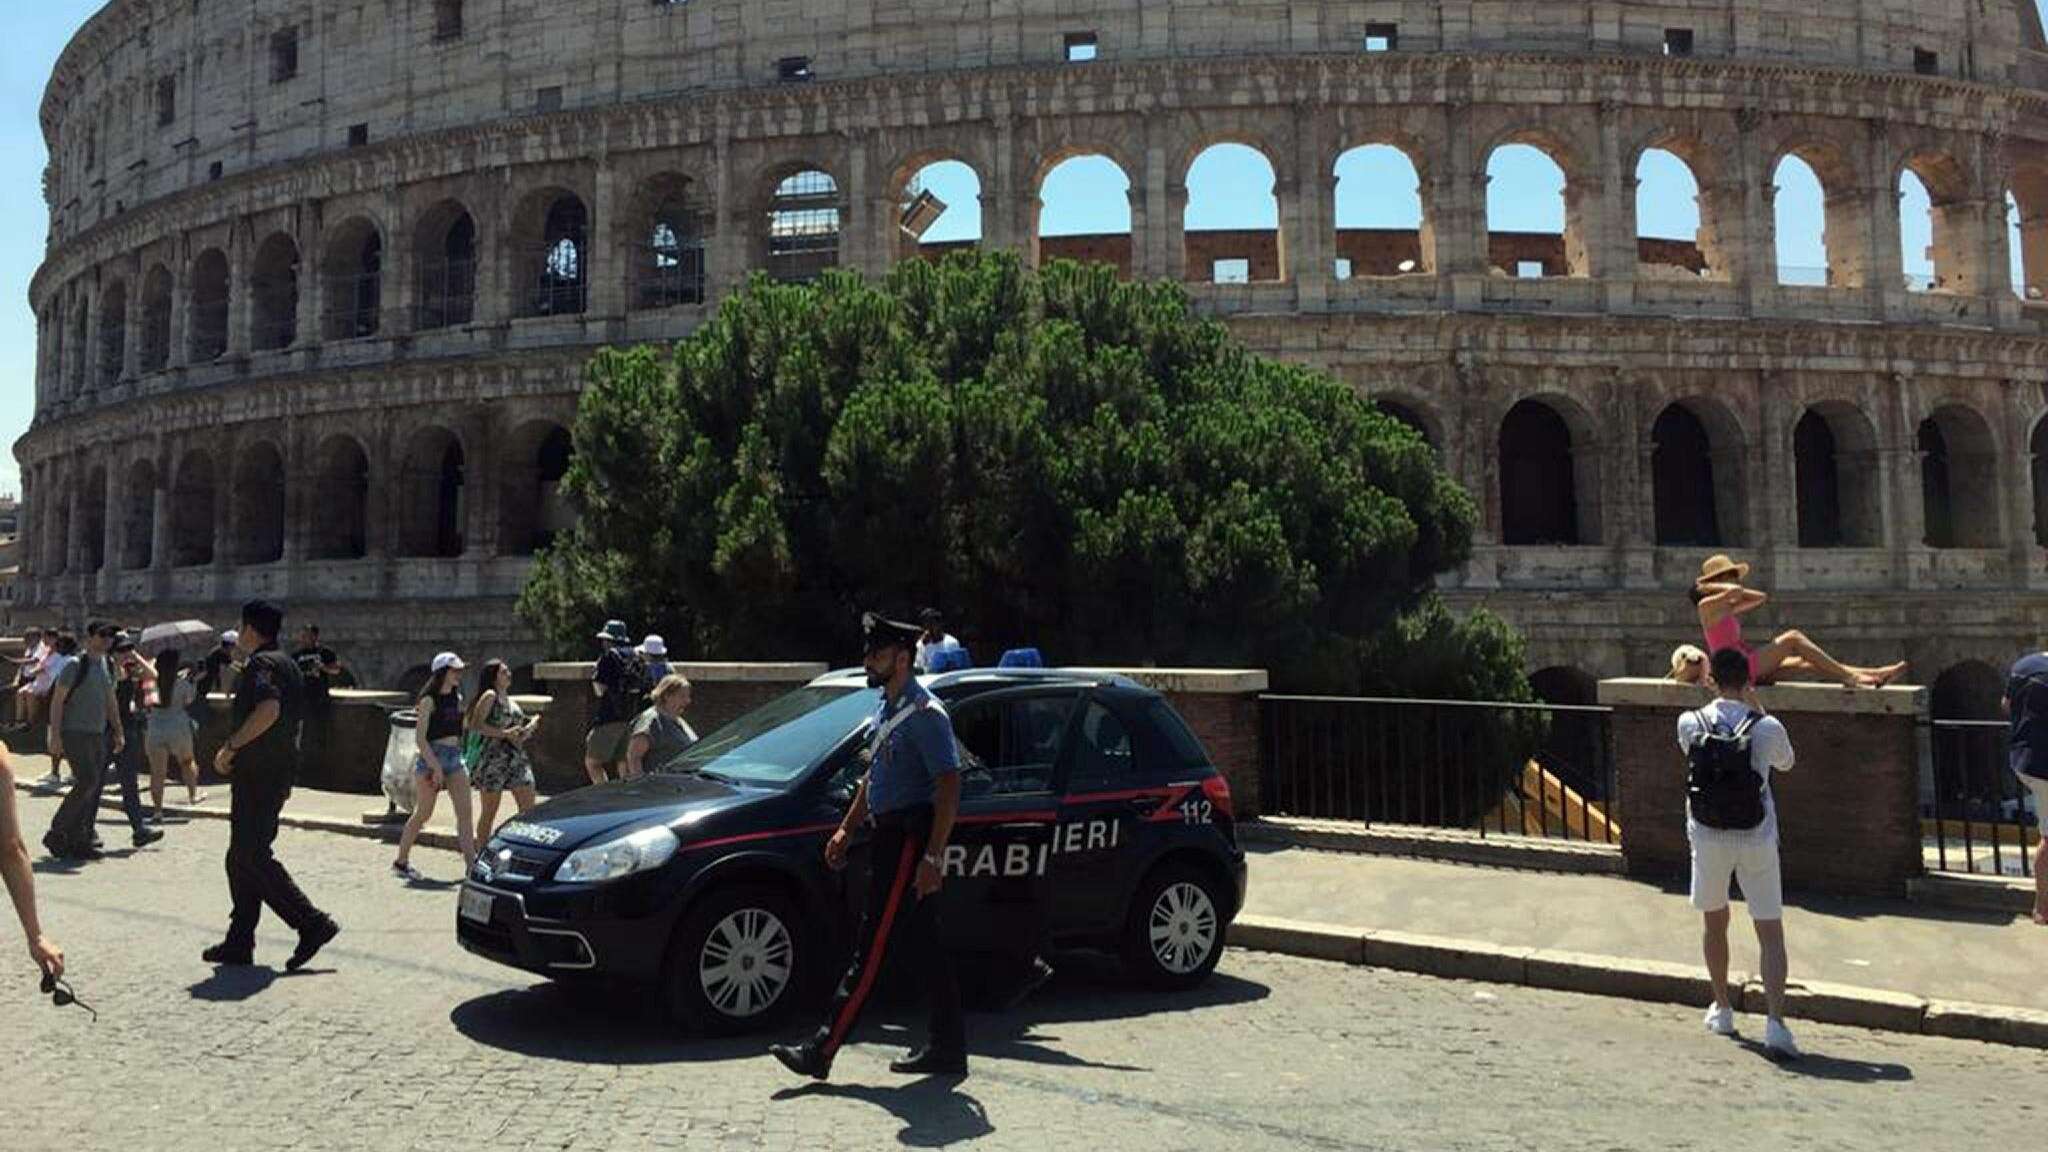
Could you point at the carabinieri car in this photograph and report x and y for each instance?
(1089, 816)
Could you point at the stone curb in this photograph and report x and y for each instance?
(388, 833)
(1361, 839)
(1648, 980)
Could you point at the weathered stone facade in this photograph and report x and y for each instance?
(353, 253)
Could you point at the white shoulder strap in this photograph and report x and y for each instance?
(889, 726)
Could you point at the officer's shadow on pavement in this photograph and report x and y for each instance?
(236, 982)
(934, 1111)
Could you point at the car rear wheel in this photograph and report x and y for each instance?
(737, 961)
(1174, 936)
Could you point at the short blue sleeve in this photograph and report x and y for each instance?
(931, 733)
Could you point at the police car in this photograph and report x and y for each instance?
(1090, 816)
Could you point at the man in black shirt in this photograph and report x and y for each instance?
(320, 668)
(259, 759)
(619, 683)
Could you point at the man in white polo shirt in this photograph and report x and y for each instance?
(1732, 824)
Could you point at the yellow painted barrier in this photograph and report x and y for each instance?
(1545, 804)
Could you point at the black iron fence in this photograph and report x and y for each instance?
(1490, 767)
(1975, 815)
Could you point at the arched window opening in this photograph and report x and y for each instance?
(1937, 224)
(2018, 248)
(1682, 477)
(534, 510)
(341, 499)
(1381, 229)
(258, 524)
(939, 211)
(113, 332)
(1404, 414)
(1836, 478)
(1958, 480)
(355, 282)
(81, 349)
(92, 522)
(2037, 468)
(1916, 233)
(1538, 480)
(803, 227)
(276, 285)
(138, 517)
(431, 521)
(209, 306)
(1085, 213)
(1799, 207)
(1530, 230)
(192, 512)
(558, 279)
(1668, 235)
(1231, 226)
(156, 319)
(1573, 749)
(669, 262)
(447, 268)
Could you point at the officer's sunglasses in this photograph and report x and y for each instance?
(60, 994)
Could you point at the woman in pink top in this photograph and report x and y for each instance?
(1722, 601)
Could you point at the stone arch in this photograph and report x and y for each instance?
(1521, 167)
(2030, 210)
(1946, 262)
(1089, 189)
(156, 319)
(340, 511)
(1696, 474)
(1675, 229)
(445, 246)
(138, 516)
(1549, 474)
(209, 319)
(256, 526)
(1836, 479)
(1958, 479)
(938, 199)
(1381, 235)
(192, 505)
(803, 225)
(92, 521)
(550, 253)
(113, 331)
(1232, 235)
(532, 509)
(431, 494)
(355, 280)
(666, 238)
(1412, 412)
(1824, 171)
(274, 286)
(2037, 474)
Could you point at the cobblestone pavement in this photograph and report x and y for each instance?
(399, 1040)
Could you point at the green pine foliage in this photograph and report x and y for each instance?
(1058, 458)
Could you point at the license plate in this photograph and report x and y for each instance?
(474, 905)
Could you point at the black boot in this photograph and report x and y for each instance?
(226, 953)
(311, 941)
(806, 1059)
(931, 1061)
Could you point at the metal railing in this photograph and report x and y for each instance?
(1492, 767)
(1975, 814)
(447, 293)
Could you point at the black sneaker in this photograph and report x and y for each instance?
(802, 1059)
(929, 1061)
(311, 941)
(145, 836)
(225, 953)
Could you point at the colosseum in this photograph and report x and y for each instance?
(320, 277)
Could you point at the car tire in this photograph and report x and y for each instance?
(734, 949)
(1174, 934)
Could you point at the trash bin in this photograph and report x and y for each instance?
(401, 749)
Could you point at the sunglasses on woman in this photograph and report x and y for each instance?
(61, 995)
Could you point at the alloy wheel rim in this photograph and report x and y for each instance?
(745, 964)
(1182, 928)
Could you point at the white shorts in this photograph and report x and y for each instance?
(1750, 859)
(2039, 788)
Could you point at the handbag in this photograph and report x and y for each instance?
(472, 751)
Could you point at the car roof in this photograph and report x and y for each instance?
(994, 677)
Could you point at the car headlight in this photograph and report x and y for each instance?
(633, 852)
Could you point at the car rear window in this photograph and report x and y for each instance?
(1165, 741)
(780, 740)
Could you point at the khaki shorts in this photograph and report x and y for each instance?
(606, 743)
(1753, 860)
(169, 739)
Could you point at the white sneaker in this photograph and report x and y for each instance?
(1721, 1020)
(1778, 1039)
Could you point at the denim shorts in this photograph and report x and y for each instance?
(449, 756)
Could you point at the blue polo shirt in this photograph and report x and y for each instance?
(916, 753)
(2026, 694)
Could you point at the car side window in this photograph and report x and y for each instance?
(1009, 747)
(1102, 753)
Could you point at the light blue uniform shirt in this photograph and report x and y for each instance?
(914, 755)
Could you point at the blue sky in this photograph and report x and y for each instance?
(1229, 187)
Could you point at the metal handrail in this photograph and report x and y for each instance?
(1501, 705)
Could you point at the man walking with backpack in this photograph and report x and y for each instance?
(1731, 748)
(620, 684)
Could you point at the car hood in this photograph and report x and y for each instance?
(574, 819)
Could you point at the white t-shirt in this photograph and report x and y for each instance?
(46, 678)
(1770, 749)
(926, 647)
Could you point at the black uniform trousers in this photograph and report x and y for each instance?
(895, 919)
(255, 877)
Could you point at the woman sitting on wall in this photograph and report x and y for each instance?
(1722, 601)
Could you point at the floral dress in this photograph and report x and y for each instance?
(503, 764)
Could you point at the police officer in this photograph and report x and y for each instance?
(912, 792)
(259, 758)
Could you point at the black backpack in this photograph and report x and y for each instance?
(1722, 787)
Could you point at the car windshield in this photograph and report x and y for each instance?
(780, 740)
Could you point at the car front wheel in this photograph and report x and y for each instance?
(736, 961)
(1175, 933)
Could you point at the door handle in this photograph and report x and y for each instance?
(1023, 826)
(1147, 804)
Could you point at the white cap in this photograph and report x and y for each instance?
(230, 637)
(654, 645)
(448, 660)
